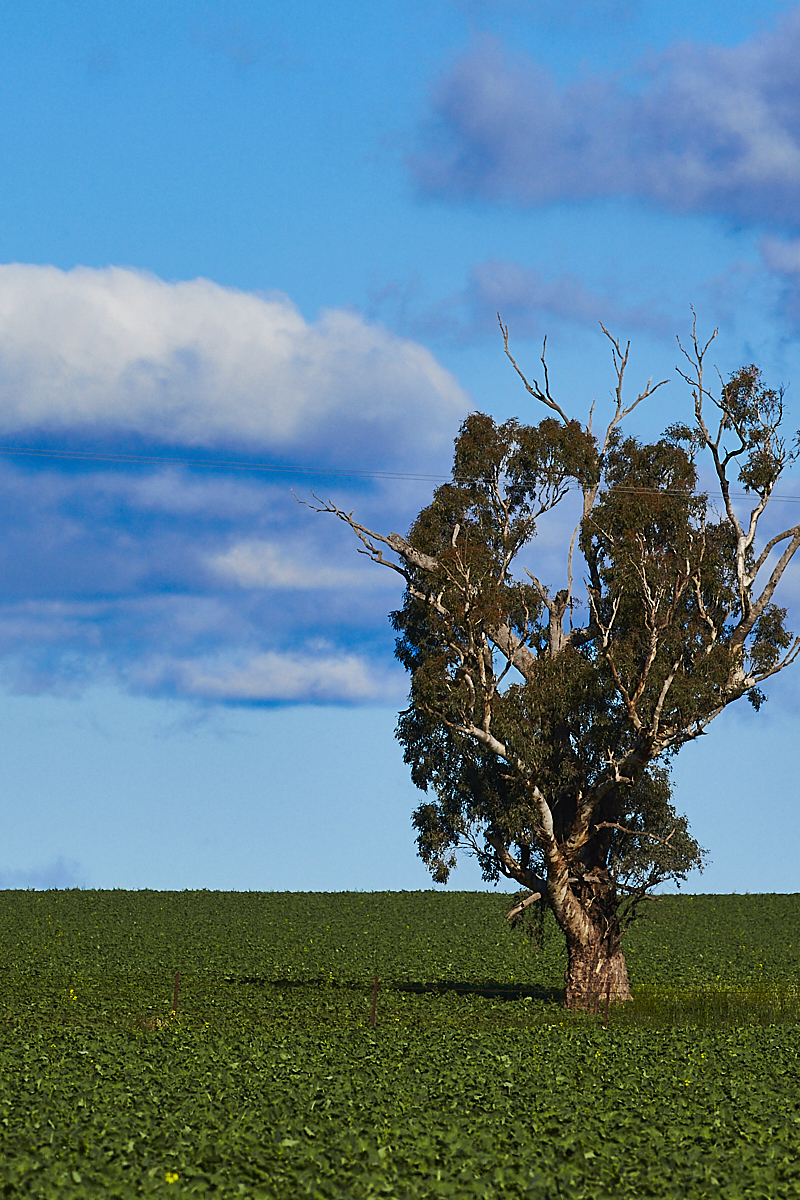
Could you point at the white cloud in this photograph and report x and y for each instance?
(150, 577)
(193, 363)
(260, 564)
(274, 676)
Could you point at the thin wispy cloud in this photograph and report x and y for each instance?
(103, 61)
(312, 676)
(236, 641)
(254, 563)
(528, 299)
(694, 129)
(781, 257)
(59, 873)
(245, 45)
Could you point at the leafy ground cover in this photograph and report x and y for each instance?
(270, 1082)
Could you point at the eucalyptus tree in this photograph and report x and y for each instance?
(543, 716)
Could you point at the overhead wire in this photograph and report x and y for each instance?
(337, 472)
(224, 464)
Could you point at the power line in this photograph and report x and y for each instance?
(621, 487)
(273, 468)
(149, 460)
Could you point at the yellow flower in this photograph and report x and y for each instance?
(171, 1177)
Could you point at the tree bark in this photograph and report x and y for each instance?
(596, 970)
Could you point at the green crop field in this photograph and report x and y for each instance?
(269, 1081)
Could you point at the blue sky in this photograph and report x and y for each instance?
(277, 236)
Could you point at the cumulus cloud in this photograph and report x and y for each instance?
(695, 129)
(197, 364)
(214, 585)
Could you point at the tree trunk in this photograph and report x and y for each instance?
(594, 976)
(596, 970)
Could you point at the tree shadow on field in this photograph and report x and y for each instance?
(489, 990)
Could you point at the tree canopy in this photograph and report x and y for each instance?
(542, 719)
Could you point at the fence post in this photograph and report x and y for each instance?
(374, 1000)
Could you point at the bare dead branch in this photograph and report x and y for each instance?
(543, 596)
(513, 649)
(542, 395)
(770, 546)
(414, 558)
(754, 609)
(514, 912)
(620, 359)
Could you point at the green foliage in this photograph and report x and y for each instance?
(649, 535)
(567, 717)
(543, 735)
(545, 749)
(754, 412)
(269, 1081)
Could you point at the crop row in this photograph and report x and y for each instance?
(269, 1081)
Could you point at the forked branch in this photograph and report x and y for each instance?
(665, 841)
(538, 393)
(414, 558)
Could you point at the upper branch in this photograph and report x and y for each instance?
(634, 832)
(502, 635)
(414, 558)
(622, 410)
(538, 393)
